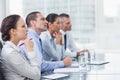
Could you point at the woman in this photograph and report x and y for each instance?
(52, 49)
(15, 64)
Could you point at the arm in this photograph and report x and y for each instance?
(47, 65)
(19, 65)
(71, 43)
(50, 48)
(75, 51)
(71, 47)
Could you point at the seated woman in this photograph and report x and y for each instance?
(15, 65)
(52, 39)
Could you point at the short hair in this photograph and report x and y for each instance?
(62, 16)
(8, 23)
(31, 16)
(51, 17)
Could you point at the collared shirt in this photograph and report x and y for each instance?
(45, 65)
(16, 67)
(51, 51)
(71, 49)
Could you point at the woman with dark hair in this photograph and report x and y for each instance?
(52, 39)
(15, 64)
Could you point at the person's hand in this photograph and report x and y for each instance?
(82, 52)
(58, 38)
(28, 44)
(67, 61)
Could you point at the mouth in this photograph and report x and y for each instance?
(26, 33)
(45, 25)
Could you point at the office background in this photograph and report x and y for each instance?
(95, 23)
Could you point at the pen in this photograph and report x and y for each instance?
(23, 43)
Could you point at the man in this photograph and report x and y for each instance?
(52, 39)
(68, 41)
(36, 24)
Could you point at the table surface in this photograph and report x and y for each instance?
(110, 71)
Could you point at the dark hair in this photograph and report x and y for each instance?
(8, 23)
(62, 16)
(31, 16)
(51, 17)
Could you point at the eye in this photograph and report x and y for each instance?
(23, 26)
(42, 19)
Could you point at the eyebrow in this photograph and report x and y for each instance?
(42, 18)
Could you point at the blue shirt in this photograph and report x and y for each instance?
(45, 65)
(51, 50)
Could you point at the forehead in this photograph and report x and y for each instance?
(20, 21)
(66, 19)
(39, 15)
(57, 18)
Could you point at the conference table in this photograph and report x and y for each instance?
(95, 71)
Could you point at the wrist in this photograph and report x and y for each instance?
(78, 54)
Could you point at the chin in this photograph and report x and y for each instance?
(69, 30)
(24, 38)
(43, 30)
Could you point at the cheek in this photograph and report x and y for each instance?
(57, 29)
(23, 33)
(66, 27)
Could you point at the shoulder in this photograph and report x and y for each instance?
(8, 51)
(44, 36)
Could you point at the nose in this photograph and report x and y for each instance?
(46, 21)
(58, 28)
(26, 29)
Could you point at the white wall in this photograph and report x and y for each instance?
(2, 9)
(107, 29)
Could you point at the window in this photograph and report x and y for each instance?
(82, 13)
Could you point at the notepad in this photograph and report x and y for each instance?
(55, 76)
(98, 63)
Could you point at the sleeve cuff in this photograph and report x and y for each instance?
(31, 54)
(60, 64)
(71, 54)
(59, 45)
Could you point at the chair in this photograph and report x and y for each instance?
(2, 77)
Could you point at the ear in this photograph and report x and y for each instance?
(13, 31)
(32, 22)
(49, 24)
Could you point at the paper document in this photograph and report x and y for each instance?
(66, 70)
(55, 76)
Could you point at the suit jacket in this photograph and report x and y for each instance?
(16, 66)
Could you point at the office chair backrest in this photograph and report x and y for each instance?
(1, 46)
(2, 77)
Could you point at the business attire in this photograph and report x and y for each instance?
(45, 65)
(69, 45)
(15, 65)
(51, 50)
